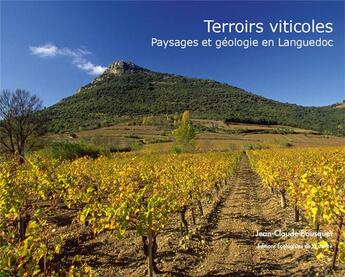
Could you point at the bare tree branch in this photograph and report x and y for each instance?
(19, 123)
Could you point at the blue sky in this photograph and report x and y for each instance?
(53, 48)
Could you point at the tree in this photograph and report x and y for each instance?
(19, 122)
(184, 135)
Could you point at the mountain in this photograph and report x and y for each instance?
(126, 89)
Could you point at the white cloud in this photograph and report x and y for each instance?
(91, 68)
(46, 50)
(77, 57)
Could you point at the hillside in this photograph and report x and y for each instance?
(126, 89)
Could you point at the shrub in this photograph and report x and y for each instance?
(67, 150)
(286, 144)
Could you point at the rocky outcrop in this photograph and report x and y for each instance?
(119, 68)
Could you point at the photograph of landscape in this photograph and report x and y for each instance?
(172, 138)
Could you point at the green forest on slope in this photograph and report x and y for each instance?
(144, 92)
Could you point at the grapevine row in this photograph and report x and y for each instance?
(121, 193)
(312, 181)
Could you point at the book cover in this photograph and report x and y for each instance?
(172, 138)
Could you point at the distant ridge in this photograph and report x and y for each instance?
(126, 89)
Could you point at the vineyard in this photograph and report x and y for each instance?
(313, 182)
(121, 193)
(144, 195)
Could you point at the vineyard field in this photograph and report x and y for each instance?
(137, 214)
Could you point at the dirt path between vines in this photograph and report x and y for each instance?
(247, 208)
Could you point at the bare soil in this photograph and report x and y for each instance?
(247, 209)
